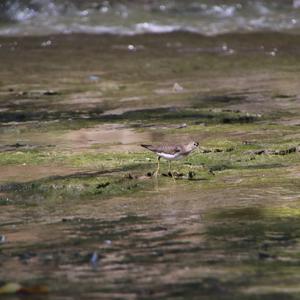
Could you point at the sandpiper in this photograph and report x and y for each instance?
(171, 152)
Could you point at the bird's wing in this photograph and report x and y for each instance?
(149, 147)
(163, 149)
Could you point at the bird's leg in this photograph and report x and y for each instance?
(170, 172)
(156, 172)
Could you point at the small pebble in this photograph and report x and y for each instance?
(177, 87)
(46, 43)
(183, 125)
(50, 93)
(131, 48)
(94, 78)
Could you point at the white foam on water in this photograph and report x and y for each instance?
(40, 17)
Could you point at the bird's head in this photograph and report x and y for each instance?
(193, 145)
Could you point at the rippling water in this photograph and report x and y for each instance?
(35, 17)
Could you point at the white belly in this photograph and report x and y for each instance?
(169, 156)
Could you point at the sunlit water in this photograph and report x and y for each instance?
(173, 243)
(132, 17)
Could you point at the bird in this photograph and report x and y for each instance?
(171, 152)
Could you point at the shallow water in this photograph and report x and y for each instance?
(176, 242)
(80, 212)
(134, 17)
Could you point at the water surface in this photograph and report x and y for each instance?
(134, 17)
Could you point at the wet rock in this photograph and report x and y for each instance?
(158, 253)
(240, 119)
(183, 125)
(287, 151)
(17, 145)
(50, 93)
(216, 150)
(102, 185)
(205, 150)
(191, 175)
(256, 152)
(176, 174)
(210, 171)
(237, 111)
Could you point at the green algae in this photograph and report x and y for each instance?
(84, 187)
(24, 157)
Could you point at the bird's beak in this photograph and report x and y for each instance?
(199, 149)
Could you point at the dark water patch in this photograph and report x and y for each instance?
(283, 96)
(255, 227)
(239, 248)
(43, 115)
(173, 113)
(251, 213)
(225, 99)
(169, 113)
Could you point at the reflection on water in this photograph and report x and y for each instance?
(171, 243)
(131, 17)
(118, 136)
